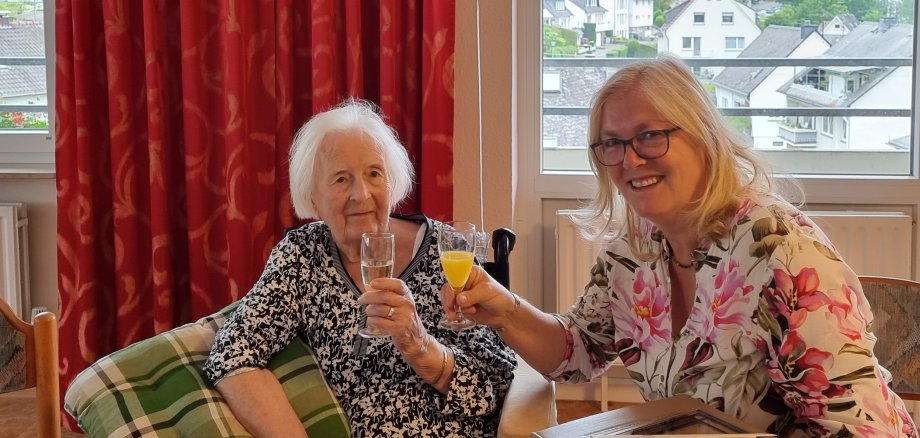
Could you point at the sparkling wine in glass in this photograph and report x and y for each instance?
(377, 255)
(455, 245)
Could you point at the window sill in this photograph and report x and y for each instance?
(26, 171)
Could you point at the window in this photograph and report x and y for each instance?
(26, 36)
(560, 5)
(687, 43)
(728, 17)
(845, 127)
(860, 172)
(734, 43)
(592, 3)
(551, 82)
(827, 126)
(699, 18)
(621, 4)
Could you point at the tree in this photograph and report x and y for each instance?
(864, 9)
(660, 7)
(905, 11)
(559, 41)
(806, 11)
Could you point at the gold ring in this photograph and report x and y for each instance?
(391, 312)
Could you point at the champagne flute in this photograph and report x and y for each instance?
(455, 245)
(377, 255)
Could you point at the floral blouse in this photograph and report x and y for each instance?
(306, 291)
(778, 334)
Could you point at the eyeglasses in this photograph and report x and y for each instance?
(647, 144)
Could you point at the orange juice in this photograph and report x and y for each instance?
(457, 266)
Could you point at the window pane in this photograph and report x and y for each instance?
(23, 87)
(829, 99)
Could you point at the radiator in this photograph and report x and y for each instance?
(872, 243)
(574, 258)
(14, 258)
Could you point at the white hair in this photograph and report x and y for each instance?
(350, 115)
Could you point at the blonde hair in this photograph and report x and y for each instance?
(733, 170)
(350, 115)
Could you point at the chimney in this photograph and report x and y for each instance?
(807, 29)
(885, 23)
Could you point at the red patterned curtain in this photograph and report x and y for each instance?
(174, 120)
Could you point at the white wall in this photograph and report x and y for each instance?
(39, 193)
(498, 155)
(865, 131)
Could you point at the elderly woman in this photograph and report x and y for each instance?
(710, 284)
(348, 169)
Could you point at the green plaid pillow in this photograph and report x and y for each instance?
(155, 387)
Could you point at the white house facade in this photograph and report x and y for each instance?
(708, 29)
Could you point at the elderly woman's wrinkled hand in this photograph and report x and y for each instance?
(391, 309)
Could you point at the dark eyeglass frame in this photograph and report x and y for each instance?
(632, 143)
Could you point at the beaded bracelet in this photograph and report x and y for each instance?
(443, 367)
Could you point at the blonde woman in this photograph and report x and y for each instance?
(710, 284)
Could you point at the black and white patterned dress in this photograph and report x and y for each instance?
(306, 291)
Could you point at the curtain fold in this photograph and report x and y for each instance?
(174, 121)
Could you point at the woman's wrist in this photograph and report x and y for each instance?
(511, 313)
(447, 360)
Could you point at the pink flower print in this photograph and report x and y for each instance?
(799, 292)
(802, 369)
(883, 412)
(803, 221)
(746, 206)
(908, 426)
(644, 228)
(729, 305)
(805, 407)
(640, 314)
(851, 321)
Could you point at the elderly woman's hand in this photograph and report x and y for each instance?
(391, 309)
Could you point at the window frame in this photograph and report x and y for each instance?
(34, 149)
(536, 188)
(827, 126)
(730, 16)
(701, 16)
(736, 40)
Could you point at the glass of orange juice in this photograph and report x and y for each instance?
(456, 242)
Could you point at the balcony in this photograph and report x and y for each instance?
(798, 137)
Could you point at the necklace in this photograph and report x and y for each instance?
(691, 265)
(696, 259)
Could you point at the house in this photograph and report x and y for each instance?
(858, 87)
(631, 18)
(837, 27)
(590, 11)
(756, 87)
(708, 29)
(556, 14)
